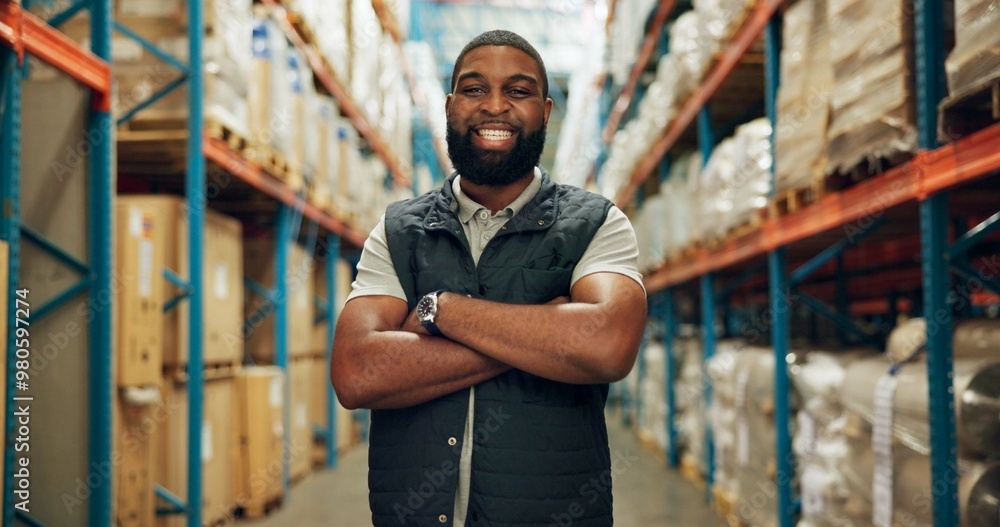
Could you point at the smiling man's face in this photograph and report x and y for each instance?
(497, 116)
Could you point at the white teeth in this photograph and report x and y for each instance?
(495, 135)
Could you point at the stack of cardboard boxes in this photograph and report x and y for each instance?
(346, 428)
(248, 410)
(139, 256)
(259, 261)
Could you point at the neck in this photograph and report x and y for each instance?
(496, 198)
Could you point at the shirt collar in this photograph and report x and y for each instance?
(467, 207)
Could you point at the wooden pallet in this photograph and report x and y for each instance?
(222, 370)
(223, 520)
(261, 509)
(234, 140)
(648, 442)
(724, 503)
(275, 164)
(300, 477)
(969, 110)
(792, 199)
(691, 472)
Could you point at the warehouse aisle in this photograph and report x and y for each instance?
(646, 494)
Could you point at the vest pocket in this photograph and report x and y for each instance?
(542, 285)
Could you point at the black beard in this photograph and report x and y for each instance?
(494, 169)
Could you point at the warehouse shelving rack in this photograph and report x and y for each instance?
(24, 34)
(926, 179)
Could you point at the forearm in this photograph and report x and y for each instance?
(398, 369)
(579, 342)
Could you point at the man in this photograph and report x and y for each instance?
(488, 317)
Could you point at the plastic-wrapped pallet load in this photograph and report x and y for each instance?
(819, 443)
(681, 194)
(712, 204)
(976, 56)
(648, 225)
(366, 46)
(721, 18)
(334, 39)
(327, 156)
(694, 48)
(905, 496)
(627, 33)
(803, 96)
(906, 340)
(689, 393)
(743, 426)
(738, 174)
(873, 103)
(653, 418)
(656, 110)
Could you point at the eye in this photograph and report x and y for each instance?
(519, 92)
(473, 90)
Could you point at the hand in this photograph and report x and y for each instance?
(412, 324)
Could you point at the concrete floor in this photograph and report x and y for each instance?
(646, 494)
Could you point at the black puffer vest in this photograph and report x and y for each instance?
(540, 453)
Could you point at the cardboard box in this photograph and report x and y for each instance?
(260, 427)
(301, 438)
(258, 261)
(319, 382)
(223, 282)
(219, 449)
(139, 255)
(344, 278)
(134, 472)
(139, 73)
(348, 429)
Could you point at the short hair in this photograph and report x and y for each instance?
(500, 37)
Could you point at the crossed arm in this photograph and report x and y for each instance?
(382, 357)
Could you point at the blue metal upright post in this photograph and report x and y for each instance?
(670, 377)
(10, 172)
(937, 312)
(706, 136)
(101, 389)
(332, 256)
(282, 239)
(708, 327)
(779, 293)
(780, 337)
(929, 29)
(196, 228)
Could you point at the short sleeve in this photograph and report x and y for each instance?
(376, 275)
(613, 249)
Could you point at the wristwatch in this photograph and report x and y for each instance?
(427, 309)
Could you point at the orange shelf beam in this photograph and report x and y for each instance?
(234, 163)
(347, 105)
(927, 174)
(728, 60)
(25, 32)
(648, 46)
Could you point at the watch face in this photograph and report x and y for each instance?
(425, 308)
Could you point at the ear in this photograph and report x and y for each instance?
(548, 109)
(447, 105)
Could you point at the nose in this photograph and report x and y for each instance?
(495, 103)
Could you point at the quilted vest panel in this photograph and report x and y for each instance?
(540, 450)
